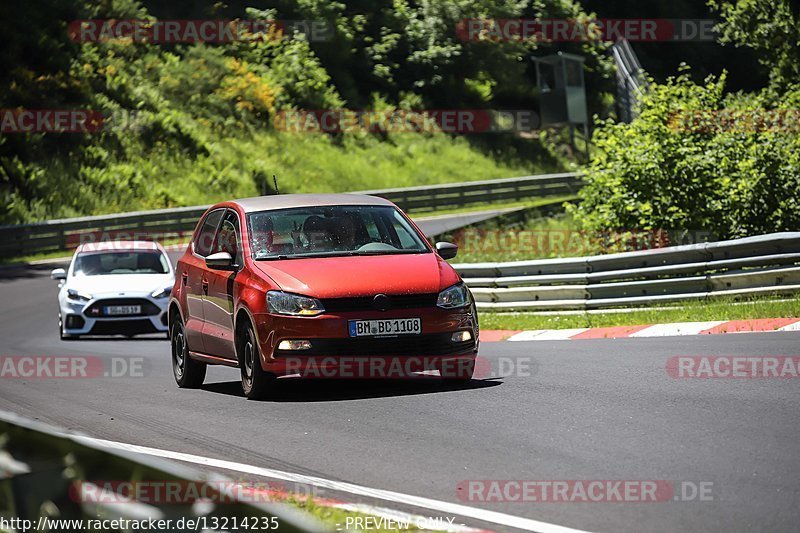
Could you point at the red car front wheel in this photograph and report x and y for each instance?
(256, 382)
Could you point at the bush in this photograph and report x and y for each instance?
(697, 159)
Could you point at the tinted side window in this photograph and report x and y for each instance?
(403, 231)
(228, 236)
(205, 238)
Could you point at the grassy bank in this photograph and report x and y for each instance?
(195, 124)
(243, 164)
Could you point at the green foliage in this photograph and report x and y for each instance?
(683, 165)
(199, 118)
(771, 28)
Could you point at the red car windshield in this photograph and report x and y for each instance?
(332, 231)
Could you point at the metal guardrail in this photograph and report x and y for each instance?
(475, 192)
(766, 264)
(67, 234)
(45, 473)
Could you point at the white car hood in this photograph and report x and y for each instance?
(120, 284)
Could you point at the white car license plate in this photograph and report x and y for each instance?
(391, 326)
(112, 310)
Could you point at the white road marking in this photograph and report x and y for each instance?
(791, 327)
(547, 334)
(351, 488)
(677, 329)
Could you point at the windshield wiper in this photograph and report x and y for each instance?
(387, 252)
(343, 253)
(277, 257)
(298, 256)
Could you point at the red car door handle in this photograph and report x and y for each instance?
(205, 286)
(184, 278)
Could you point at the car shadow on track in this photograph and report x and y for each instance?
(116, 338)
(321, 390)
(15, 272)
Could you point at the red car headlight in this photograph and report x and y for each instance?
(454, 297)
(284, 303)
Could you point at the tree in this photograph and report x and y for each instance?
(771, 28)
(697, 159)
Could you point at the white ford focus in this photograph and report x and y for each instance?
(114, 288)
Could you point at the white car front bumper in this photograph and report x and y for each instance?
(90, 318)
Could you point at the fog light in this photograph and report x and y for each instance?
(294, 345)
(461, 336)
(74, 322)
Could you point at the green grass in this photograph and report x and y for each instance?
(313, 163)
(242, 164)
(536, 238)
(721, 309)
(485, 206)
(35, 257)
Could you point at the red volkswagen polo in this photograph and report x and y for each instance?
(304, 283)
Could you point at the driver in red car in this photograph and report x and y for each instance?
(345, 233)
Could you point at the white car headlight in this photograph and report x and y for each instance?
(454, 297)
(161, 293)
(284, 303)
(78, 296)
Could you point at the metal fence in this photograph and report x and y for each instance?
(46, 474)
(766, 264)
(630, 80)
(66, 234)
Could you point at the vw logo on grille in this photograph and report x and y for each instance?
(381, 302)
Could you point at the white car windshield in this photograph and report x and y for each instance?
(108, 263)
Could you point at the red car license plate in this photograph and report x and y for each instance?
(391, 326)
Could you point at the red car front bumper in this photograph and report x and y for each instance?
(333, 350)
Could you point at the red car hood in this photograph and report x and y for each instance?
(338, 277)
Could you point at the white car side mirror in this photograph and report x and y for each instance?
(58, 274)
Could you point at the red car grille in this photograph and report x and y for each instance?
(391, 301)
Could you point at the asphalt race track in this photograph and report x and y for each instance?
(589, 410)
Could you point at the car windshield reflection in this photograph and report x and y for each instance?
(332, 231)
